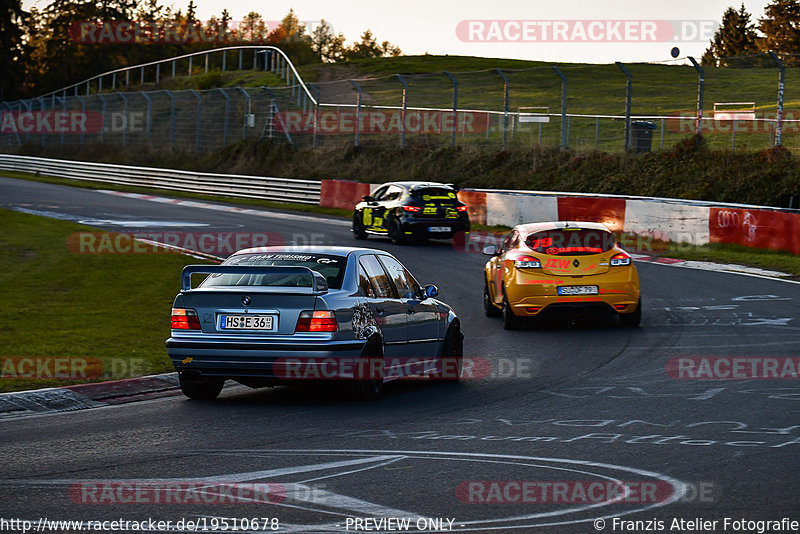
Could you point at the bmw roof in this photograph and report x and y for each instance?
(309, 249)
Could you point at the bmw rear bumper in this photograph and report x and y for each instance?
(281, 360)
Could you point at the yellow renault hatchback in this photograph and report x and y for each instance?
(565, 267)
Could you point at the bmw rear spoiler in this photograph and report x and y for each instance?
(319, 284)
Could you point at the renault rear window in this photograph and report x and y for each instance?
(330, 266)
(571, 242)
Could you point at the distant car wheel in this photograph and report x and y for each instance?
(452, 356)
(632, 319)
(200, 388)
(359, 232)
(510, 321)
(396, 232)
(488, 307)
(368, 383)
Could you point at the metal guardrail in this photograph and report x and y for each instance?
(282, 64)
(231, 185)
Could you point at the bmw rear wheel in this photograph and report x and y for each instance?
(368, 382)
(199, 387)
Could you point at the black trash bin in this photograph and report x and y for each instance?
(264, 59)
(642, 135)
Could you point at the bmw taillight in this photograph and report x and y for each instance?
(412, 209)
(316, 321)
(184, 319)
(527, 262)
(462, 208)
(620, 259)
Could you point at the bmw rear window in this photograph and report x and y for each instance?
(330, 266)
(569, 242)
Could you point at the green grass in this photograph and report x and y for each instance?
(596, 89)
(57, 304)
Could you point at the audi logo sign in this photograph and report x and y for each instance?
(767, 229)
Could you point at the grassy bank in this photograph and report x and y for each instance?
(103, 316)
(688, 170)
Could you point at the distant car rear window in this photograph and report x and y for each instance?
(329, 266)
(439, 194)
(571, 242)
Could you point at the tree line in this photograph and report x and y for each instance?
(71, 40)
(741, 42)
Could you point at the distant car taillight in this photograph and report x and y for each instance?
(621, 259)
(413, 209)
(527, 262)
(185, 319)
(317, 321)
(462, 208)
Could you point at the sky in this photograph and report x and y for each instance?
(430, 26)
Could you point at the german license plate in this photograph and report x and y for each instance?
(246, 322)
(578, 290)
(438, 228)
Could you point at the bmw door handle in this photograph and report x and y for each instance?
(380, 311)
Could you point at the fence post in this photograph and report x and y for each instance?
(83, 113)
(455, 107)
(781, 79)
(103, 115)
(240, 58)
(563, 107)
(64, 111)
(628, 86)
(190, 65)
(147, 116)
(41, 108)
(100, 84)
(125, 115)
(173, 68)
(206, 56)
(171, 118)
(158, 72)
(16, 133)
(127, 77)
(358, 112)
(199, 119)
(246, 111)
(114, 80)
(224, 60)
(225, 126)
(700, 86)
(505, 105)
(141, 77)
(403, 111)
(316, 114)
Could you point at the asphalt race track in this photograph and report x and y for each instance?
(559, 405)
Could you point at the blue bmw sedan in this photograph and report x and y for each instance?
(286, 315)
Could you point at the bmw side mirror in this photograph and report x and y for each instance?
(490, 250)
(431, 291)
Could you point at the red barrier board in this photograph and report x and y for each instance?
(772, 230)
